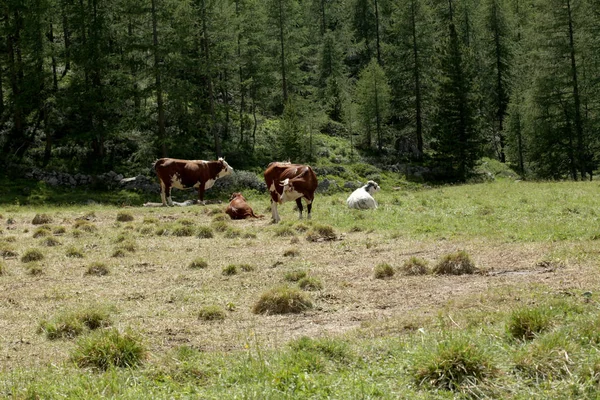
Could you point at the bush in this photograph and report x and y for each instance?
(32, 255)
(198, 263)
(310, 283)
(98, 269)
(455, 264)
(415, 266)
(383, 271)
(451, 363)
(123, 216)
(105, 349)
(282, 300)
(205, 232)
(527, 323)
(41, 219)
(211, 313)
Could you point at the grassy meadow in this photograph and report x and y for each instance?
(477, 291)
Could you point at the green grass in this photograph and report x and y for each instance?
(105, 349)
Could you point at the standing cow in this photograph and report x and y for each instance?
(288, 182)
(185, 174)
(362, 198)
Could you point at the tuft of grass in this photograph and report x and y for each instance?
(185, 222)
(232, 233)
(74, 252)
(51, 241)
(295, 276)
(59, 230)
(34, 269)
(205, 232)
(129, 246)
(2, 268)
(231, 269)
(220, 217)
(320, 233)
(41, 219)
(333, 349)
(198, 263)
(211, 313)
(98, 269)
(458, 263)
(7, 250)
(150, 220)
(109, 348)
(249, 235)
(183, 230)
(291, 252)
(383, 271)
(76, 233)
(119, 252)
(527, 323)
(124, 216)
(284, 231)
(282, 300)
(547, 358)
(9, 239)
(42, 231)
(32, 255)
(414, 266)
(220, 226)
(70, 324)
(84, 226)
(247, 267)
(310, 283)
(452, 363)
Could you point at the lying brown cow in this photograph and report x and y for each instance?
(184, 174)
(288, 182)
(238, 208)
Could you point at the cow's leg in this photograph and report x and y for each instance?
(274, 213)
(308, 208)
(299, 204)
(201, 194)
(163, 195)
(168, 195)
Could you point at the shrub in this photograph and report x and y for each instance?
(295, 276)
(383, 271)
(455, 264)
(211, 313)
(205, 232)
(320, 233)
(451, 363)
(74, 252)
(231, 269)
(527, 323)
(105, 349)
(291, 253)
(41, 219)
(282, 300)
(42, 231)
(32, 255)
(198, 263)
(124, 216)
(415, 266)
(51, 241)
(310, 283)
(98, 269)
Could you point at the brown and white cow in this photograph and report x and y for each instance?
(238, 208)
(288, 182)
(185, 174)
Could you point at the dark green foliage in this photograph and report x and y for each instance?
(455, 264)
(282, 300)
(109, 348)
(383, 271)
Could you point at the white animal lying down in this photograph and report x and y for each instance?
(362, 198)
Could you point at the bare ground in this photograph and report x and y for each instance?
(155, 293)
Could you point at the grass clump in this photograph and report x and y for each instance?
(51, 242)
(2, 268)
(527, 323)
(7, 251)
(42, 231)
(124, 216)
(333, 349)
(211, 313)
(310, 283)
(84, 226)
(59, 230)
(220, 226)
(282, 300)
(32, 255)
(74, 252)
(284, 231)
(291, 252)
(150, 220)
(98, 269)
(295, 276)
(321, 233)
(183, 230)
(452, 363)
(383, 271)
(34, 269)
(205, 232)
(73, 323)
(232, 233)
(547, 358)
(458, 263)
(231, 269)
(119, 252)
(41, 219)
(198, 263)
(415, 266)
(247, 267)
(105, 349)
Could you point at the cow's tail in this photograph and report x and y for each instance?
(256, 216)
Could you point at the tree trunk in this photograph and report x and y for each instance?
(162, 135)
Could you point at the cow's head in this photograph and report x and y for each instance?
(372, 187)
(237, 195)
(225, 168)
